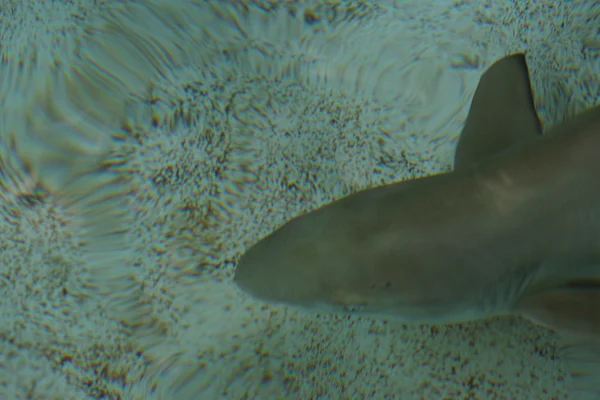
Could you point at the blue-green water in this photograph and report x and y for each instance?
(145, 145)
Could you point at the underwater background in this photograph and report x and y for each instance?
(144, 145)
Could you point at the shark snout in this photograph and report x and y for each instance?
(249, 273)
(271, 271)
(260, 274)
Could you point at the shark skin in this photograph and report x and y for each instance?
(513, 229)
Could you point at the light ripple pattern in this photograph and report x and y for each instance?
(160, 138)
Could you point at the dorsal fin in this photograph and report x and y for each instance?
(502, 112)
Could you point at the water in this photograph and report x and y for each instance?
(145, 145)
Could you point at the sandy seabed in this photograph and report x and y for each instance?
(145, 144)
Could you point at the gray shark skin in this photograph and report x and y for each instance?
(514, 229)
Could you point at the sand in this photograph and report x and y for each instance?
(145, 145)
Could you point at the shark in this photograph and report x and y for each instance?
(513, 228)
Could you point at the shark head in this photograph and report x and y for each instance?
(305, 263)
(353, 257)
(284, 267)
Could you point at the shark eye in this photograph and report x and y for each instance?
(354, 307)
(381, 285)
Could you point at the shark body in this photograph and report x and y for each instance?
(514, 228)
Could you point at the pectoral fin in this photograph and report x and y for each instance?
(582, 360)
(502, 112)
(574, 311)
